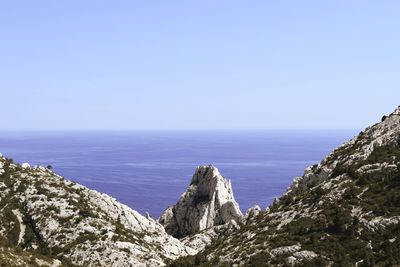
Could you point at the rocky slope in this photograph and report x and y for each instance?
(48, 220)
(344, 211)
(206, 203)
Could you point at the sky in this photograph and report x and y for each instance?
(189, 65)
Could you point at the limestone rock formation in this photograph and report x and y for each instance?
(49, 220)
(206, 203)
(344, 211)
(200, 240)
(350, 153)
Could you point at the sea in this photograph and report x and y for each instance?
(149, 170)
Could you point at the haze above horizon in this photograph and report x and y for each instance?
(209, 65)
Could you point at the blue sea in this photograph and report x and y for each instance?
(149, 171)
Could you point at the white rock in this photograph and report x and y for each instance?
(25, 165)
(300, 256)
(284, 250)
(207, 202)
(252, 212)
(200, 240)
(22, 226)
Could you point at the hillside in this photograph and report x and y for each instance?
(48, 220)
(344, 211)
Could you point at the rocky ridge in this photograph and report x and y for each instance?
(344, 211)
(48, 220)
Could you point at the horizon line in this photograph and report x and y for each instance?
(178, 129)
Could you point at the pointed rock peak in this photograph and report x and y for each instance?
(207, 202)
(205, 173)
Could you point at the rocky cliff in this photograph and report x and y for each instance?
(48, 220)
(206, 203)
(344, 211)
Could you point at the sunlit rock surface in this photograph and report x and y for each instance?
(208, 202)
(44, 214)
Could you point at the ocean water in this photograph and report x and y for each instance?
(149, 171)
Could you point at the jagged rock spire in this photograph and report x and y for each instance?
(207, 202)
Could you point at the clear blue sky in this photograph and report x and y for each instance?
(198, 64)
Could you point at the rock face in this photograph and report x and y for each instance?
(344, 211)
(202, 239)
(206, 203)
(48, 220)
